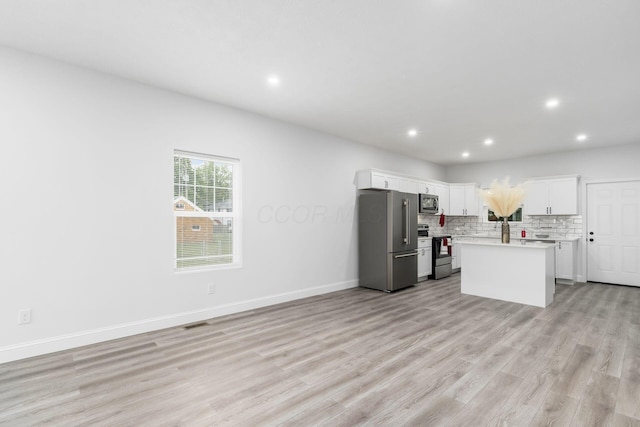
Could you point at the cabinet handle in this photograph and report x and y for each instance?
(386, 184)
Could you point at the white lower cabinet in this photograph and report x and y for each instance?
(566, 261)
(424, 258)
(456, 260)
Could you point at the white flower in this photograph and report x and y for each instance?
(503, 199)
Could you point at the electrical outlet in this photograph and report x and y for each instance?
(25, 316)
(212, 288)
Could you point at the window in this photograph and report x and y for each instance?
(205, 205)
(515, 217)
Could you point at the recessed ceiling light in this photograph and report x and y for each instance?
(465, 154)
(552, 103)
(412, 132)
(273, 80)
(581, 138)
(488, 141)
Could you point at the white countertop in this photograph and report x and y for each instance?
(518, 244)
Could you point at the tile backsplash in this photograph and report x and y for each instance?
(555, 226)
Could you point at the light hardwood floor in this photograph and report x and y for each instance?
(423, 356)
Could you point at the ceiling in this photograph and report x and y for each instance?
(456, 71)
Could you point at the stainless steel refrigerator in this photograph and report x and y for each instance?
(387, 240)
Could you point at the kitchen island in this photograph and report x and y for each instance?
(516, 272)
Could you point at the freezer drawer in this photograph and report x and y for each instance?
(402, 270)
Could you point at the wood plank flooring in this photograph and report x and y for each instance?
(423, 356)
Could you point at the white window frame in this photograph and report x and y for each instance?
(236, 215)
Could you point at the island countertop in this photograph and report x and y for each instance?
(518, 244)
(550, 238)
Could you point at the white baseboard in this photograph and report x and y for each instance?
(79, 339)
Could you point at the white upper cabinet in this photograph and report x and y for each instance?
(442, 190)
(383, 180)
(377, 180)
(463, 200)
(554, 196)
(425, 187)
(408, 186)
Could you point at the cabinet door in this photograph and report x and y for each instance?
(408, 186)
(471, 200)
(384, 182)
(455, 256)
(423, 267)
(536, 199)
(456, 199)
(425, 188)
(463, 200)
(563, 196)
(442, 190)
(564, 260)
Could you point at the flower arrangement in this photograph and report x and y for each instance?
(503, 199)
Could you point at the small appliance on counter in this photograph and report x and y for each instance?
(441, 254)
(423, 230)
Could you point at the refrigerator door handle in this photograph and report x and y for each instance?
(405, 206)
(406, 255)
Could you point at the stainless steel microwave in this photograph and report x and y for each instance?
(428, 204)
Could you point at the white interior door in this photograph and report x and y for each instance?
(613, 232)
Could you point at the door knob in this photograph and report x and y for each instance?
(591, 240)
(591, 233)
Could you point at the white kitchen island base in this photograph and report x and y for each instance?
(509, 272)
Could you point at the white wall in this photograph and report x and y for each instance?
(620, 161)
(87, 225)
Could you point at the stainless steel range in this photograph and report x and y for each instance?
(441, 256)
